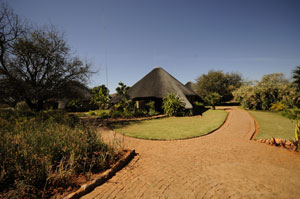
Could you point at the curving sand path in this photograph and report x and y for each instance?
(225, 164)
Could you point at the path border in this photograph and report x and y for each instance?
(256, 126)
(108, 174)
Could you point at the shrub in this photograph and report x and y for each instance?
(172, 105)
(198, 108)
(127, 114)
(151, 108)
(75, 106)
(272, 89)
(103, 114)
(138, 112)
(278, 106)
(45, 151)
(115, 114)
(92, 112)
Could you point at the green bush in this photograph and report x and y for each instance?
(103, 114)
(198, 108)
(272, 89)
(45, 151)
(278, 106)
(151, 108)
(92, 113)
(138, 112)
(115, 114)
(172, 105)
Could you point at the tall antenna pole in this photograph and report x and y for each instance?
(105, 59)
(105, 48)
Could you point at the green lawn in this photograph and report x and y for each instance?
(172, 128)
(273, 125)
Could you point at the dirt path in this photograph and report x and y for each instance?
(225, 164)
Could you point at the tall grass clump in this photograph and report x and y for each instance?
(42, 152)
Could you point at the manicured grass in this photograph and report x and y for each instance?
(172, 128)
(273, 125)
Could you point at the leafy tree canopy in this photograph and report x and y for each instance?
(218, 82)
(272, 88)
(36, 65)
(296, 77)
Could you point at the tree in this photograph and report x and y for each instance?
(212, 99)
(100, 96)
(272, 88)
(36, 64)
(124, 102)
(296, 77)
(11, 28)
(218, 82)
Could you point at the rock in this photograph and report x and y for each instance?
(272, 141)
(267, 141)
(282, 143)
(277, 141)
(263, 141)
(288, 143)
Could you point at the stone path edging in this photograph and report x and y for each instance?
(87, 188)
(256, 125)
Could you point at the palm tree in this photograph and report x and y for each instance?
(296, 77)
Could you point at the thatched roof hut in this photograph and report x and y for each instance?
(190, 85)
(158, 84)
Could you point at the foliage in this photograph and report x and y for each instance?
(212, 99)
(92, 113)
(100, 96)
(151, 108)
(198, 108)
(74, 105)
(124, 104)
(11, 28)
(218, 82)
(171, 128)
(45, 151)
(36, 65)
(292, 111)
(103, 114)
(172, 105)
(115, 114)
(273, 88)
(296, 77)
(278, 106)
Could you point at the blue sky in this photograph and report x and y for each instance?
(185, 37)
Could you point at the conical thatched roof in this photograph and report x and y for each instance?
(158, 84)
(190, 85)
